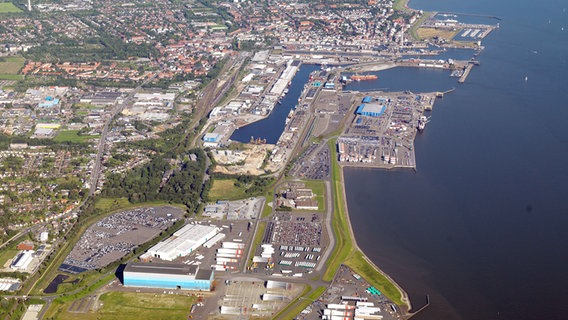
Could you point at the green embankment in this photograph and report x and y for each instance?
(267, 210)
(358, 263)
(257, 241)
(300, 303)
(344, 252)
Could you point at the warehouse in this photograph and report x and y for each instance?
(182, 242)
(371, 110)
(22, 260)
(167, 276)
(212, 137)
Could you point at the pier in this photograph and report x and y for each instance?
(466, 72)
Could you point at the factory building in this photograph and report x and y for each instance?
(370, 110)
(182, 242)
(167, 276)
(212, 137)
(22, 260)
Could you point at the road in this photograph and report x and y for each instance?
(117, 108)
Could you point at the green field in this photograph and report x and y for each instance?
(16, 77)
(400, 5)
(7, 254)
(131, 305)
(11, 65)
(9, 7)
(225, 190)
(110, 204)
(72, 136)
(257, 240)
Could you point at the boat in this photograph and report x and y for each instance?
(357, 77)
(422, 122)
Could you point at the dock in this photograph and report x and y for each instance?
(466, 73)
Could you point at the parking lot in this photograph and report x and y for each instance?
(113, 237)
(297, 241)
(313, 164)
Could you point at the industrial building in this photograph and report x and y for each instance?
(371, 110)
(22, 260)
(167, 276)
(182, 242)
(211, 137)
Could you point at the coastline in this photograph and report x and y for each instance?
(405, 297)
(346, 250)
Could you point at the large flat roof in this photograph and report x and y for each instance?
(373, 107)
(162, 268)
(203, 274)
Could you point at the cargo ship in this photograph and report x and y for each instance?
(357, 77)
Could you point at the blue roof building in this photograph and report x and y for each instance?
(167, 276)
(212, 137)
(370, 110)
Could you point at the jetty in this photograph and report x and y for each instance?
(466, 73)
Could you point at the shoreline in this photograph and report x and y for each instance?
(345, 205)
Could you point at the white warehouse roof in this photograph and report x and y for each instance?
(183, 242)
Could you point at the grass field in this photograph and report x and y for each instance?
(8, 7)
(16, 77)
(11, 65)
(429, 33)
(9, 251)
(400, 4)
(131, 305)
(72, 136)
(110, 204)
(226, 190)
(7, 254)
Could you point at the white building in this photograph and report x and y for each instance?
(22, 260)
(182, 243)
